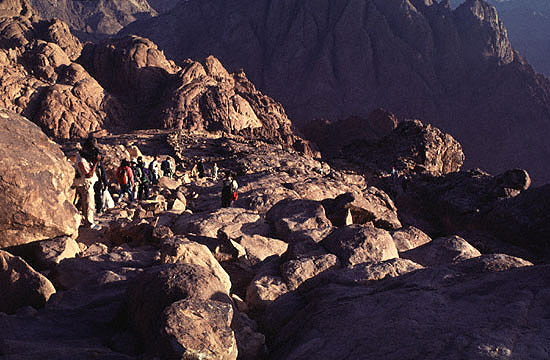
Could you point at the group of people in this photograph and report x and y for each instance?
(134, 178)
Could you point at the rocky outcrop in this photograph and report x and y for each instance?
(41, 81)
(417, 59)
(127, 83)
(463, 314)
(411, 147)
(35, 185)
(194, 97)
(21, 285)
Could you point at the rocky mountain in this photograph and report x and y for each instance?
(312, 261)
(417, 59)
(527, 22)
(72, 90)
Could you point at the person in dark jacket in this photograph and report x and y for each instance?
(229, 191)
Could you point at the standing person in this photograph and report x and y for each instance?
(154, 168)
(136, 170)
(144, 179)
(125, 178)
(85, 185)
(229, 191)
(90, 152)
(166, 167)
(215, 170)
(200, 168)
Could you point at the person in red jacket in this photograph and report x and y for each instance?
(125, 178)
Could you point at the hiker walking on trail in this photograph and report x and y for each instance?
(125, 178)
(166, 167)
(144, 179)
(85, 185)
(229, 191)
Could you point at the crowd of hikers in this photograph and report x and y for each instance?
(134, 179)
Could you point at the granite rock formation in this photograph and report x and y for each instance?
(279, 275)
(72, 91)
(418, 59)
(35, 185)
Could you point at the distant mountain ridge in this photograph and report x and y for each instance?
(417, 58)
(528, 22)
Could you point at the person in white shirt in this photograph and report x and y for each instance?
(85, 186)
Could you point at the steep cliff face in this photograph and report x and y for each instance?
(421, 59)
(528, 23)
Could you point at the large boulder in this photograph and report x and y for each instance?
(293, 215)
(440, 251)
(35, 190)
(295, 272)
(198, 329)
(373, 205)
(21, 285)
(409, 237)
(355, 244)
(150, 293)
(179, 250)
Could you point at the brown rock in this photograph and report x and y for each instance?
(372, 206)
(36, 193)
(258, 247)
(50, 252)
(461, 316)
(263, 290)
(233, 221)
(416, 59)
(440, 251)
(198, 329)
(179, 250)
(292, 215)
(150, 293)
(409, 237)
(21, 285)
(295, 272)
(356, 244)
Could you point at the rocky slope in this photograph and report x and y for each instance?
(127, 83)
(311, 262)
(418, 59)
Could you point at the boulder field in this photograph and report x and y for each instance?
(315, 260)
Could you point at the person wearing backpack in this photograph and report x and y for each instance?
(144, 179)
(229, 191)
(125, 178)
